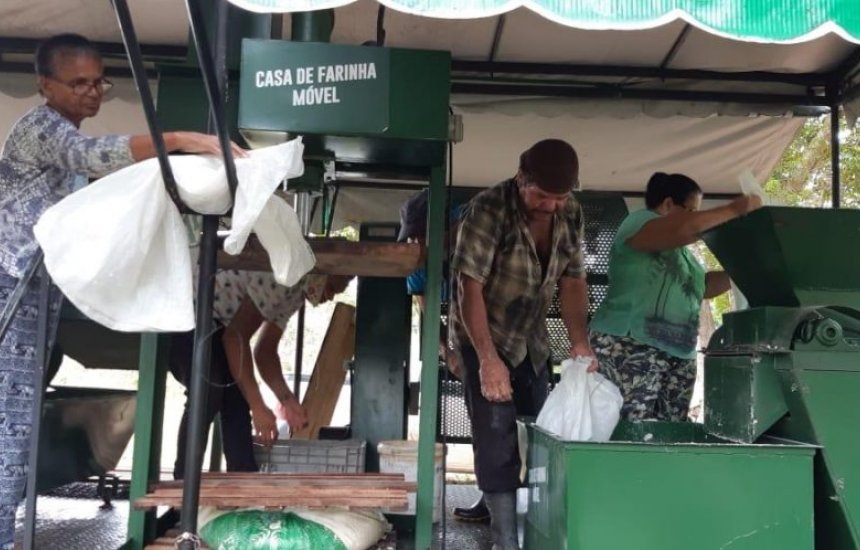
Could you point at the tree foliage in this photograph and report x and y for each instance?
(803, 177)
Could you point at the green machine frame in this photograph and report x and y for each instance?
(789, 366)
(365, 115)
(374, 125)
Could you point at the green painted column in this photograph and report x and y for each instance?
(148, 422)
(312, 26)
(430, 359)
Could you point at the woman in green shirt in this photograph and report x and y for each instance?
(644, 334)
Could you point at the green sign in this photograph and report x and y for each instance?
(314, 88)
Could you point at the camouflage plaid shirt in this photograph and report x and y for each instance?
(495, 247)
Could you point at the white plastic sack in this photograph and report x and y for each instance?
(119, 251)
(583, 406)
(357, 530)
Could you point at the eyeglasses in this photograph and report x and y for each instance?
(83, 87)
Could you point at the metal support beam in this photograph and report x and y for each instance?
(135, 59)
(835, 181)
(43, 349)
(300, 354)
(497, 38)
(213, 91)
(487, 87)
(148, 422)
(200, 367)
(312, 26)
(380, 26)
(559, 69)
(430, 360)
(206, 51)
(676, 47)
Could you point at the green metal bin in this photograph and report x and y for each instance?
(665, 486)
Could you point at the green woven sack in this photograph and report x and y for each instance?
(262, 530)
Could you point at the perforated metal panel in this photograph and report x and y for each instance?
(603, 213)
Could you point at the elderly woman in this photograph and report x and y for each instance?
(645, 332)
(44, 158)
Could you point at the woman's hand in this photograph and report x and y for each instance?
(290, 410)
(194, 142)
(265, 425)
(745, 204)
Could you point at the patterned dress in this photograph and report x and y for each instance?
(43, 159)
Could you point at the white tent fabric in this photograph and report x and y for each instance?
(621, 142)
(621, 153)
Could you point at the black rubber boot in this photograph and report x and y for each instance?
(476, 513)
(503, 510)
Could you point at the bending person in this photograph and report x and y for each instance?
(248, 304)
(645, 331)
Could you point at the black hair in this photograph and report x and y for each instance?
(677, 187)
(62, 44)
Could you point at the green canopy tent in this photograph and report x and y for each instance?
(673, 82)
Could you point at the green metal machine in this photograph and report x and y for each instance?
(775, 463)
(366, 110)
(789, 366)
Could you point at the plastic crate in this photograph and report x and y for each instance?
(312, 456)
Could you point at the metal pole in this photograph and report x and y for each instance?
(303, 210)
(42, 349)
(835, 181)
(188, 539)
(312, 26)
(213, 91)
(197, 395)
(135, 60)
(300, 350)
(430, 361)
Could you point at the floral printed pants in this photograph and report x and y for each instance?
(655, 385)
(18, 369)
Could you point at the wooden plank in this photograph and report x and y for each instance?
(278, 492)
(329, 373)
(287, 483)
(243, 490)
(276, 475)
(339, 257)
(294, 501)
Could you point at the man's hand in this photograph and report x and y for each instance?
(290, 410)
(453, 362)
(583, 349)
(265, 425)
(495, 380)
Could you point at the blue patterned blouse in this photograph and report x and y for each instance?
(43, 158)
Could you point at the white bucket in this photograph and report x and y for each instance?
(401, 457)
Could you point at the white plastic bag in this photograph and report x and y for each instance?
(583, 406)
(749, 186)
(119, 251)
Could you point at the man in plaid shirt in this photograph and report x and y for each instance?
(516, 242)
